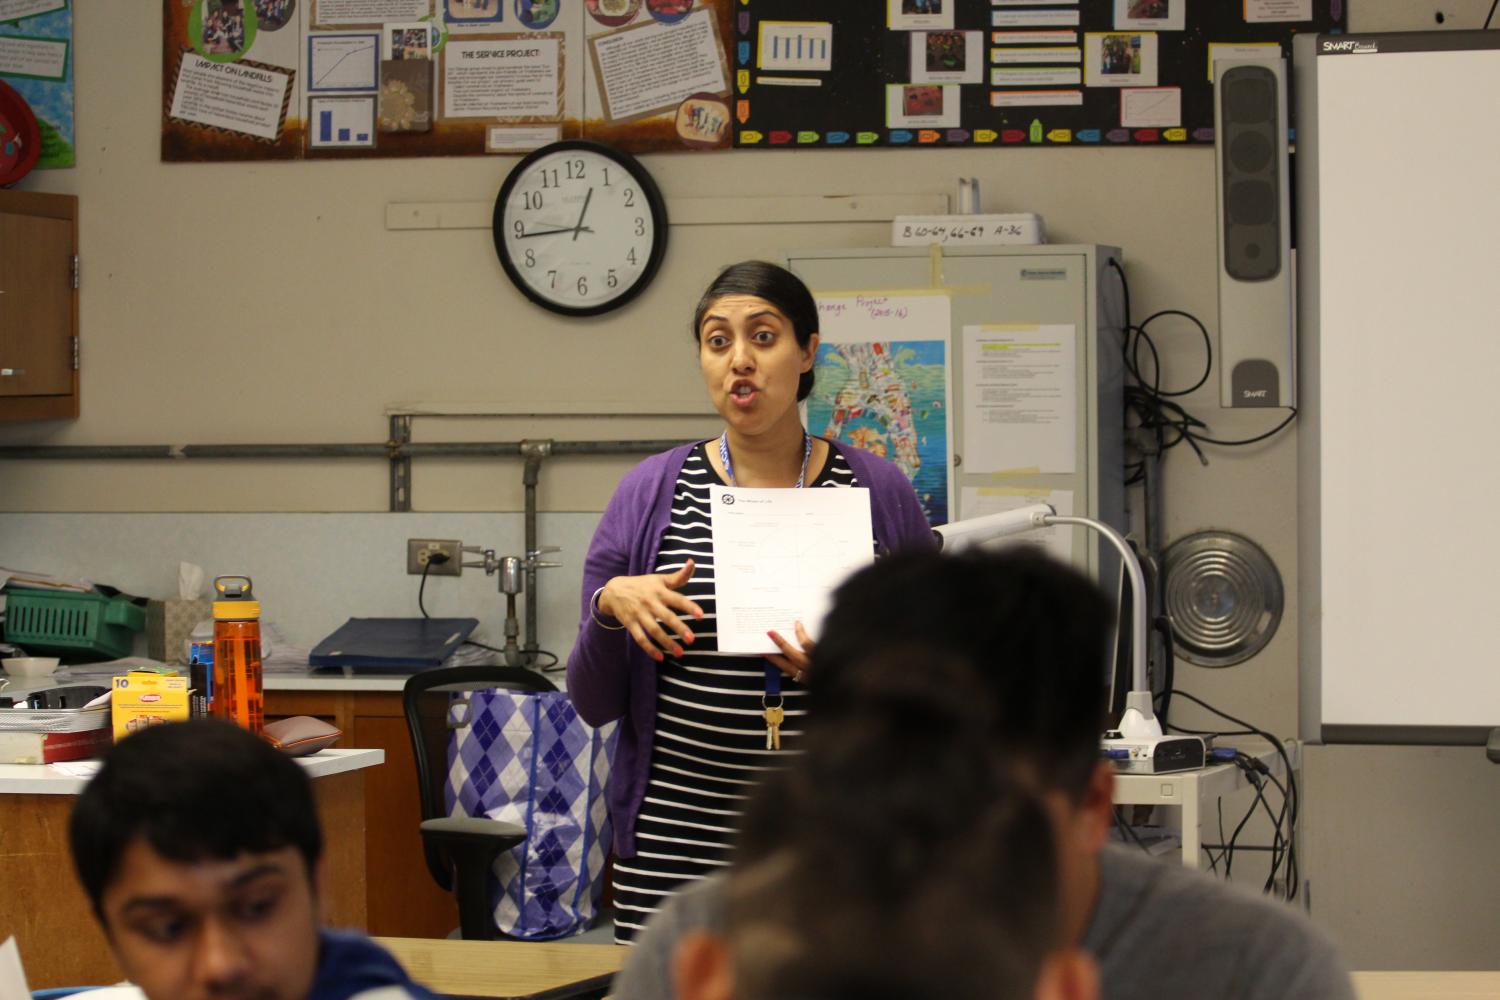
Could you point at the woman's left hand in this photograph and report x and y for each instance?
(793, 661)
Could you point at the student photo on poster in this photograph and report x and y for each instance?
(271, 15)
(408, 41)
(223, 27)
(1151, 15)
(921, 105)
(947, 57)
(473, 11)
(919, 14)
(1119, 59)
(537, 14)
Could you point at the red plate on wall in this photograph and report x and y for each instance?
(20, 138)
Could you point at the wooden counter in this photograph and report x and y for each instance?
(402, 899)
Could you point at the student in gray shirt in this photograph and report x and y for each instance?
(897, 857)
(1037, 634)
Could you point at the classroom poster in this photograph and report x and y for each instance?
(882, 383)
(36, 59)
(288, 79)
(996, 72)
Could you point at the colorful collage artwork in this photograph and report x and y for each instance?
(36, 60)
(997, 72)
(883, 384)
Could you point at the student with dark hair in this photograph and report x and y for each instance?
(1035, 635)
(198, 845)
(896, 858)
(692, 734)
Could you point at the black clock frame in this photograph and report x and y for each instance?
(654, 202)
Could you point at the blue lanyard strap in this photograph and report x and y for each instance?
(773, 685)
(729, 465)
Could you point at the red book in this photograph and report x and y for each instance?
(48, 748)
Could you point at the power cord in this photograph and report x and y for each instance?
(1284, 845)
(1152, 408)
(553, 665)
(435, 558)
(1491, 14)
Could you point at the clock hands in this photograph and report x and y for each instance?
(575, 230)
(578, 227)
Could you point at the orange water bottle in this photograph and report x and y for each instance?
(238, 695)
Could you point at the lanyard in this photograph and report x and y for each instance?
(729, 466)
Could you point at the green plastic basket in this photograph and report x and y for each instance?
(71, 625)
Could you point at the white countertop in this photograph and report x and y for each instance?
(50, 779)
(276, 679)
(330, 680)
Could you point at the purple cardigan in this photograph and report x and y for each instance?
(609, 676)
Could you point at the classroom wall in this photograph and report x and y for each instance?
(268, 303)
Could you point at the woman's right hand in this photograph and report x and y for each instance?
(650, 606)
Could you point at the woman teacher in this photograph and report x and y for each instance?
(693, 730)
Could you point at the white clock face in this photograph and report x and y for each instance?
(578, 231)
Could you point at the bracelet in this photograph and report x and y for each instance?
(594, 611)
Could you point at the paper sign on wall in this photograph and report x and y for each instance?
(1020, 397)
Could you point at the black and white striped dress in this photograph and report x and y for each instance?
(710, 745)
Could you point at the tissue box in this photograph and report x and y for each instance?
(168, 625)
(141, 699)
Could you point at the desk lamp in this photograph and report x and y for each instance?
(1139, 722)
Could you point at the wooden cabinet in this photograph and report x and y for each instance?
(402, 900)
(38, 306)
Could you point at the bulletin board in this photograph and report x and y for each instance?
(36, 59)
(306, 79)
(1002, 72)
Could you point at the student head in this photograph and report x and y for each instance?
(1035, 633)
(896, 858)
(789, 300)
(198, 846)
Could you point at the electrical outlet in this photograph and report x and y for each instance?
(419, 553)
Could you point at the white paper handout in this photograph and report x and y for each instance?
(1020, 397)
(778, 555)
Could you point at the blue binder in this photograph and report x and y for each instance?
(404, 644)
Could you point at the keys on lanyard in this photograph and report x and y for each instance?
(775, 715)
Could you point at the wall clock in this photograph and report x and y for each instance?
(580, 227)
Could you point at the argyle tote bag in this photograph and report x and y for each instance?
(528, 759)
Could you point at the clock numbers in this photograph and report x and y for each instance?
(571, 237)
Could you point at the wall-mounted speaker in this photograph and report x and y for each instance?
(1256, 346)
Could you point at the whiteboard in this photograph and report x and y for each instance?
(1399, 294)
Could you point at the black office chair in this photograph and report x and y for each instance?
(460, 850)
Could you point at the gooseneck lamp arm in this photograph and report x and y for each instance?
(1139, 720)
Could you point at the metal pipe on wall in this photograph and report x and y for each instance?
(399, 451)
